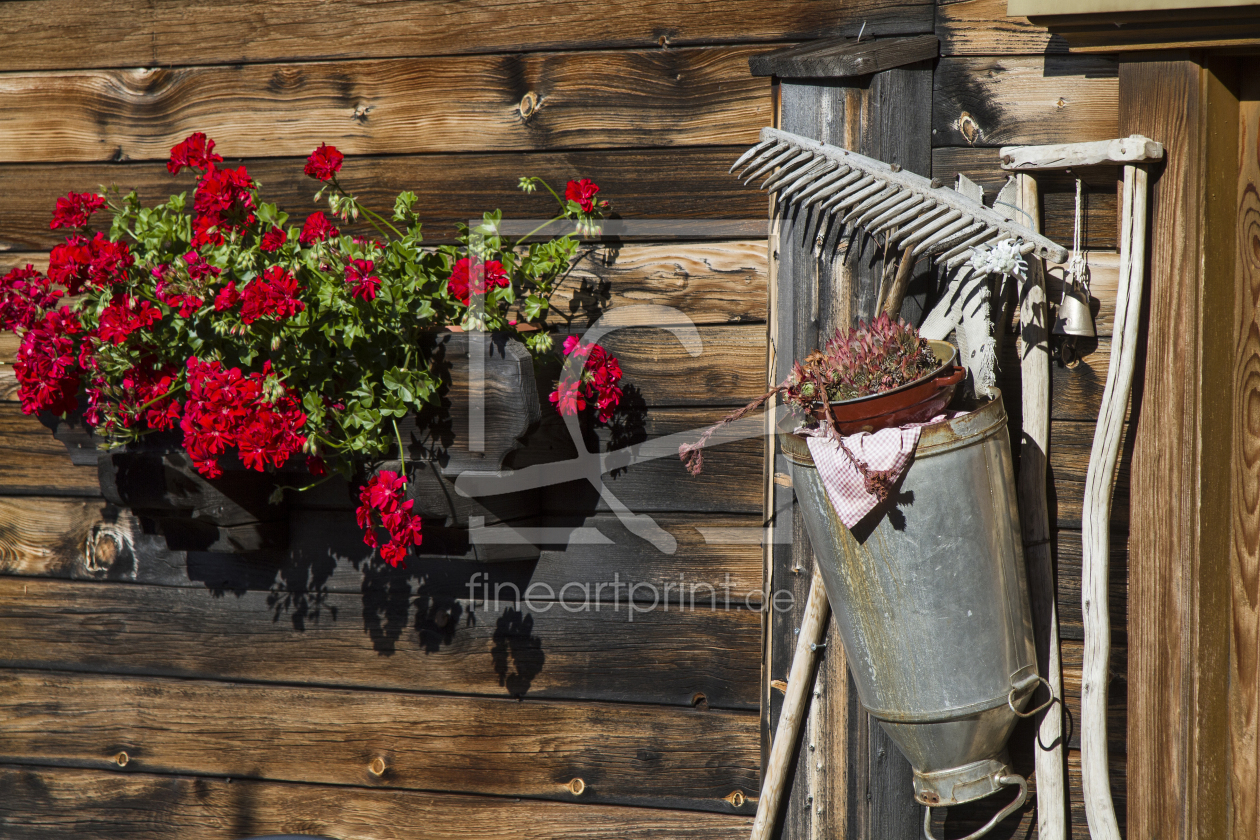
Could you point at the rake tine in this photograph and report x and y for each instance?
(822, 183)
(769, 162)
(873, 204)
(853, 198)
(927, 230)
(949, 242)
(809, 179)
(853, 176)
(788, 167)
(923, 205)
(855, 188)
(807, 171)
(887, 210)
(755, 150)
(918, 223)
(942, 235)
(761, 157)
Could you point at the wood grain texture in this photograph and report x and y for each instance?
(119, 34)
(982, 27)
(673, 184)
(1178, 585)
(535, 648)
(645, 755)
(83, 539)
(1058, 194)
(1171, 29)
(1067, 556)
(1244, 680)
(1025, 100)
(727, 371)
(42, 803)
(32, 461)
(397, 106)
(847, 57)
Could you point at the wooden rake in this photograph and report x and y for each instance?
(831, 187)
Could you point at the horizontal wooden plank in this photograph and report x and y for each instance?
(624, 754)
(507, 102)
(117, 33)
(1070, 444)
(50, 803)
(1067, 554)
(32, 461)
(1058, 194)
(1075, 391)
(1024, 100)
(982, 27)
(706, 283)
(729, 368)
(84, 539)
(511, 647)
(1117, 693)
(669, 184)
(844, 57)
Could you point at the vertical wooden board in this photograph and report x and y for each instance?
(1244, 682)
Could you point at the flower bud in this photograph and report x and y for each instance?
(275, 343)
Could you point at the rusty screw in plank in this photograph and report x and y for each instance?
(576, 786)
(121, 759)
(377, 767)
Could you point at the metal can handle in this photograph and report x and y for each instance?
(1010, 698)
(1012, 779)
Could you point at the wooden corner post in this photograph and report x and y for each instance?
(873, 97)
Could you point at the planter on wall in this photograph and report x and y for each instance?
(232, 514)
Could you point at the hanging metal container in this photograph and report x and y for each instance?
(932, 606)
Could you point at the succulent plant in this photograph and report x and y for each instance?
(871, 359)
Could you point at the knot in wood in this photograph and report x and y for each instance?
(576, 786)
(121, 759)
(377, 767)
(529, 104)
(736, 798)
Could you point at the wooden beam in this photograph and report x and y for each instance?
(1179, 584)
(843, 57)
(1126, 150)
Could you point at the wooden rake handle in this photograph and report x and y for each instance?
(795, 705)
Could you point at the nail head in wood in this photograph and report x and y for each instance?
(1126, 150)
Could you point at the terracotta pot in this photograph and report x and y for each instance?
(911, 403)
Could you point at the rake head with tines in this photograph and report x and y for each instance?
(843, 187)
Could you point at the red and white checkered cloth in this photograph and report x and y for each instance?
(888, 449)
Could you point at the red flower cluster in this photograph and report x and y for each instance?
(226, 408)
(324, 162)
(317, 229)
(187, 294)
(272, 240)
(382, 498)
(196, 152)
(74, 210)
(470, 277)
(583, 192)
(223, 203)
(363, 283)
(597, 382)
(143, 393)
(24, 295)
(273, 293)
(47, 375)
(80, 262)
(124, 315)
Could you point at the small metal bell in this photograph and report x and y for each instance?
(1075, 318)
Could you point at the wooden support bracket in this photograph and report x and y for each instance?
(1126, 150)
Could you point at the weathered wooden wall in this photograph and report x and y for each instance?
(146, 692)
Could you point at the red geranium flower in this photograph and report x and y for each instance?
(79, 262)
(324, 162)
(125, 315)
(272, 240)
(24, 295)
(363, 283)
(227, 297)
(583, 192)
(383, 499)
(196, 151)
(46, 370)
(223, 203)
(273, 293)
(470, 277)
(74, 210)
(317, 229)
(597, 382)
